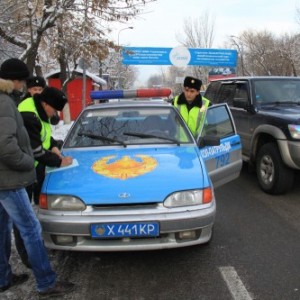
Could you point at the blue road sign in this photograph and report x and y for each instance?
(179, 56)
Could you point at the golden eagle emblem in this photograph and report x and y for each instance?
(126, 167)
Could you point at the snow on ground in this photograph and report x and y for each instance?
(60, 130)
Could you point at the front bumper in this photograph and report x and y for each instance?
(199, 220)
(290, 153)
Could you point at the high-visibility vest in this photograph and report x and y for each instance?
(28, 105)
(195, 117)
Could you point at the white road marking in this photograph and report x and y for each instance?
(234, 284)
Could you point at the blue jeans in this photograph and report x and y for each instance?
(16, 208)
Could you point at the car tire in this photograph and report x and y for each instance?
(273, 176)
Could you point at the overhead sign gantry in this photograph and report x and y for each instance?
(179, 56)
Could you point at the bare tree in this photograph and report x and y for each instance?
(173, 78)
(198, 33)
(288, 48)
(262, 53)
(87, 20)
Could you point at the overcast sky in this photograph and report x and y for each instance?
(164, 21)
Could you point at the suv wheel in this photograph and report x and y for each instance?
(273, 176)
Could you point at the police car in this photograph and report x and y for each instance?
(139, 179)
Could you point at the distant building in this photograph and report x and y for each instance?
(75, 88)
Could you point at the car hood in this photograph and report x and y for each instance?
(129, 175)
(282, 111)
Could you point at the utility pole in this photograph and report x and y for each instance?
(241, 51)
(83, 60)
(120, 54)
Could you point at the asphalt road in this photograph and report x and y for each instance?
(254, 254)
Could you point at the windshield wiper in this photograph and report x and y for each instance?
(101, 138)
(144, 135)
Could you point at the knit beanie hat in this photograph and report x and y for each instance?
(35, 81)
(52, 96)
(14, 69)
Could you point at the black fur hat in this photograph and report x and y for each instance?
(192, 83)
(35, 81)
(52, 96)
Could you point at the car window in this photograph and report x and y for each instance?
(212, 91)
(128, 126)
(226, 94)
(270, 91)
(241, 96)
(218, 122)
(241, 92)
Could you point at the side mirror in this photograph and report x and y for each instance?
(209, 140)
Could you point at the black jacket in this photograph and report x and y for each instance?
(34, 126)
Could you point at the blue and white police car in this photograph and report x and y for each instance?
(139, 179)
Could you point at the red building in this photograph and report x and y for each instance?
(75, 89)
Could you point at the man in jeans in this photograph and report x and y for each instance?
(16, 172)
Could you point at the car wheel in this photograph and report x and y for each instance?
(273, 176)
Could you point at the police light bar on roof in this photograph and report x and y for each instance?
(123, 94)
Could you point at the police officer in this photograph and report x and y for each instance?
(37, 112)
(35, 85)
(191, 104)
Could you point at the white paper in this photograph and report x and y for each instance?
(74, 164)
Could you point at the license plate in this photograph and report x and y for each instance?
(117, 230)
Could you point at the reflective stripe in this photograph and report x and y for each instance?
(198, 120)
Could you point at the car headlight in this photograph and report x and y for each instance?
(64, 202)
(294, 131)
(188, 198)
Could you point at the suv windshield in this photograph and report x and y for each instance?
(277, 91)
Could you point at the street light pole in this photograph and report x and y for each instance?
(241, 50)
(84, 63)
(119, 52)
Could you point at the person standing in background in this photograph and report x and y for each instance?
(17, 172)
(35, 85)
(191, 104)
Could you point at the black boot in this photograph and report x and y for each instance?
(15, 280)
(61, 288)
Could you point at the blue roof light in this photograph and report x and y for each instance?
(122, 94)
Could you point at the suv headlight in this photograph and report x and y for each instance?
(188, 198)
(294, 131)
(64, 202)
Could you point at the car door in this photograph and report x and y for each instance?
(220, 145)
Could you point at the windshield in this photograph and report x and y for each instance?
(277, 91)
(128, 126)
